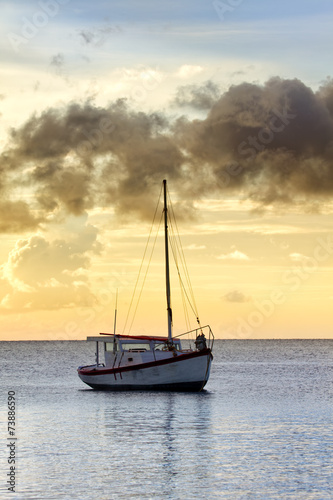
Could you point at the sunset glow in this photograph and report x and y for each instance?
(233, 105)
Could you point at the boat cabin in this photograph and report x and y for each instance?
(119, 349)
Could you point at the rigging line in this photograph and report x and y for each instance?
(186, 314)
(187, 276)
(145, 276)
(175, 252)
(183, 291)
(143, 258)
(174, 246)
(179, 245)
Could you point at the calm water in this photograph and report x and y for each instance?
(261, 430)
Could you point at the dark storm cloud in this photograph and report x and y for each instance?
(84, 156)
(16, 216)
(271, 143)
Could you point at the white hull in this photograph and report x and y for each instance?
(188, 372)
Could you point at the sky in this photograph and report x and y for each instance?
(230, 101)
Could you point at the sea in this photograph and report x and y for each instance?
(261, 429)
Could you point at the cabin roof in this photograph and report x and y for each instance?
(109, 337)
(138, 337)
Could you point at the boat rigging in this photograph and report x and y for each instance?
(141, 362)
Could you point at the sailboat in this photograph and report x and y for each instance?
(141, 362)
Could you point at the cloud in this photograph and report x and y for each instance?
(97, 36)
(234, 255)
(58, 60)
(188, 70)
(43, 274)
(200, 97)
(58, 66)
(271, 144)
(236, 296)
(298, 257)
(195, 247)
(5, 287)
(84, 156)
(16, 216)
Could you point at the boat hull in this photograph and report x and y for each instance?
(184, 372)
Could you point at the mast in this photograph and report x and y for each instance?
(167, 269)
(114, 324)
(115, 314)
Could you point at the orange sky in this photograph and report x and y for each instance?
(264, 276)
(97, 109)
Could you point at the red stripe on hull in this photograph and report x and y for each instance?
(86, 370)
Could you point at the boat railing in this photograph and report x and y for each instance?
(206, 330)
